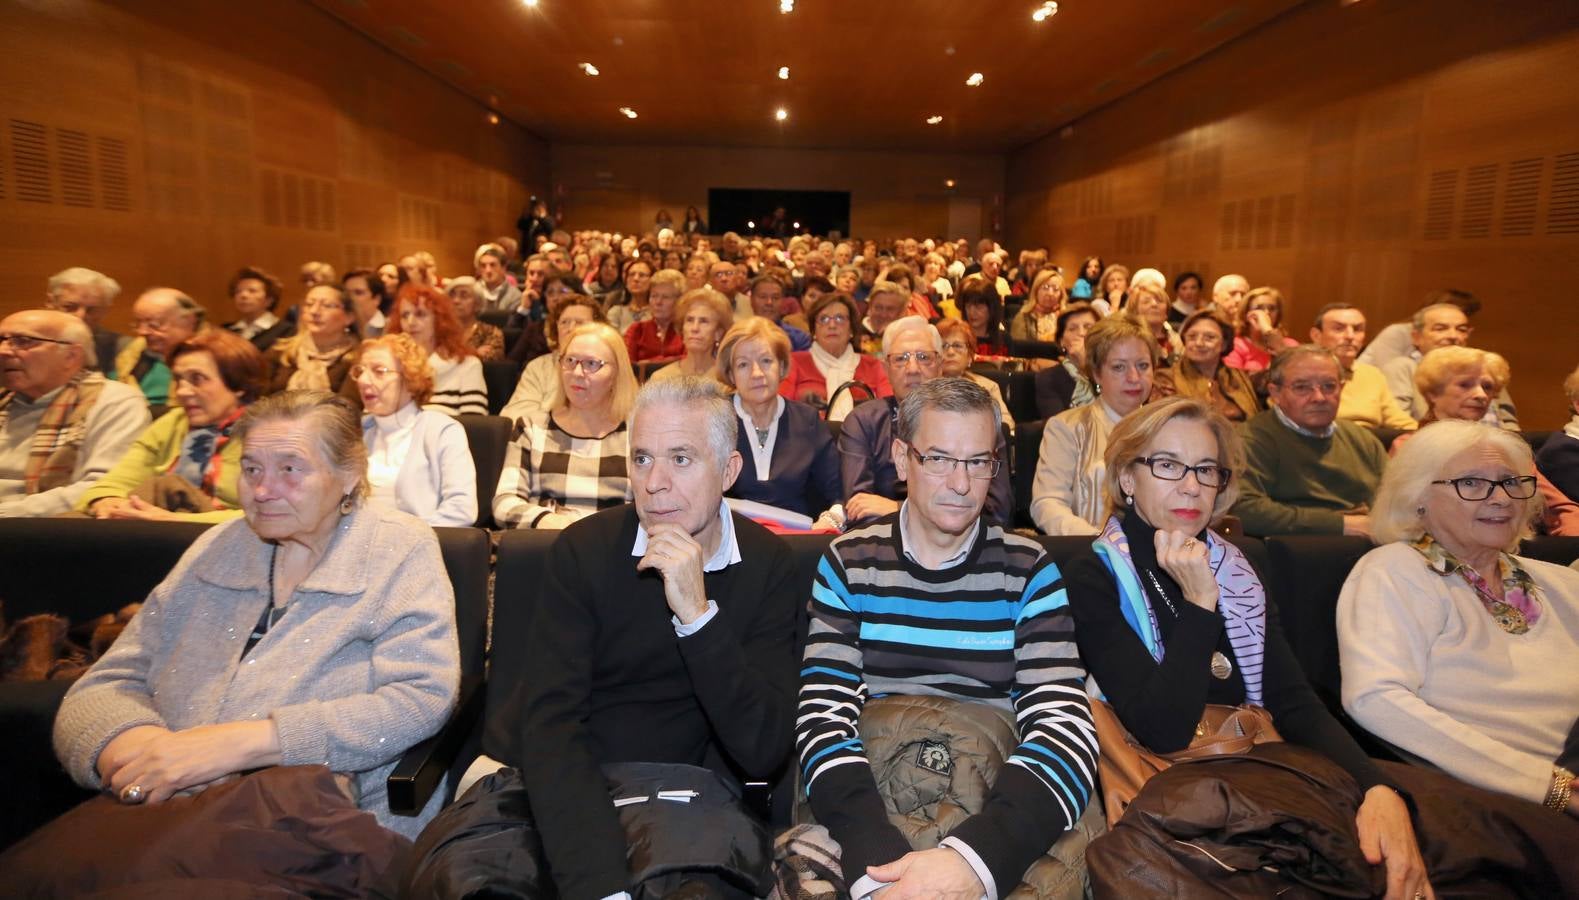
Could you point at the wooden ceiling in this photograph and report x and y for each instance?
(863, 73)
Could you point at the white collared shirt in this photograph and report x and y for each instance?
(727, 554)
(1295, 427)
(952, 561)
(761, 454)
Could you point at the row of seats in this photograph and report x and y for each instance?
(43, 560)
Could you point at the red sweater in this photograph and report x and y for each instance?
(643, 341)
(805, 379)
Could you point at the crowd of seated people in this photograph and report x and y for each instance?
(862, 388)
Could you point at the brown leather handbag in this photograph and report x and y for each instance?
(1125, 764)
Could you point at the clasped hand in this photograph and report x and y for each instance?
(678, 558)
(937, 873)
(163, 762)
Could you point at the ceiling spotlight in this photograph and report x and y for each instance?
(948, 183)
(786, 6)
(627, 112)
(784, 73)
(750, 224)
(1044, 12)
(933, 120)
(781, 114)
(974, 80)
(531, 3)
(493, 118)
(795, 225)
(588, 68)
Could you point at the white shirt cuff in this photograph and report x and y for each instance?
(866, 886)
(622, 895)
(976, 865)
(681, 630)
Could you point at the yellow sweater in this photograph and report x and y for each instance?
(154, 451)
(1367, 401)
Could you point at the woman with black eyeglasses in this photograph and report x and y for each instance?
(1169, 618)
(1455, 650)
(570, 459)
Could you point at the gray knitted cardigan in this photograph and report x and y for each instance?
(363, 664)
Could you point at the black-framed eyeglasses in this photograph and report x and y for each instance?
(1208, 474)
(977, 467)
(28, 341)
(1474, 489)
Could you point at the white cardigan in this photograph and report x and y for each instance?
(438, 479)
(1426, 669)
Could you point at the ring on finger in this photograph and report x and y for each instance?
(133, 794)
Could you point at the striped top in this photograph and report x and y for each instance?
(458, 386)
(995, 629)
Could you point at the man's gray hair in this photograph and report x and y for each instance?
(948, 394)
(1285, 358)
(1418, 320)
(911, 323)
(77, 276)
(702, 398)
(490, 249)
(78, 332)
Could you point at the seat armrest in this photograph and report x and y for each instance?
(424, 766)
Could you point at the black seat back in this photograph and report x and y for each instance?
(519, 572)
(489, 439)
(500, 376)
(1308, 572)
(465, 552)
(1027, 449)
(83, 568)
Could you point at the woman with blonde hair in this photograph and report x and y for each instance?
(703, 316)
(1260, 331)
(1112, 290)
(319, 355)
(1037, 319)
(419, 461)
(1148, 305)
(1067, 493)
(570, 459)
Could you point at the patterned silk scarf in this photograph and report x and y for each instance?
(1519, 608)
(1241, 600)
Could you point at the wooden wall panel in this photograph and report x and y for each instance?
(1369, 153)
(891, 194)
(172, 142)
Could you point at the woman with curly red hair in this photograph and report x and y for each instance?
(424, 313)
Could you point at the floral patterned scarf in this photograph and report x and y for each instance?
(1519, 608)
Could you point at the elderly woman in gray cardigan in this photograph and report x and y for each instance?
(316, 631)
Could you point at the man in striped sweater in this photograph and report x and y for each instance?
(933, 600)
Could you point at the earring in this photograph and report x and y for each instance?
(1129, 499)
(347, 505)
(1420, 510)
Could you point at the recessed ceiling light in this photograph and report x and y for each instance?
(493, 118)
(795, 225)
(627, 112)
(750, 224)
(781, 114)
(786, 6)
(784, 72)
(1044, 12)
(588, 68)
(948, 183)
(531, 3)
(974, 80)
(933, 120)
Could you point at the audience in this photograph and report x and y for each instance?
(568, 460)
(1260, 331)
(788, 458)
(1186, 297)
(1456, 651)
(981, 308)
(62, 425)
(1037, 319)
(164, 317)
(1558, 459)
(1148, 305)
(704, 316)
(1065, 385)
(1113, 291)
(351, 601)
(1366, 401)
(885, 302)
(485, 340)
(1397, 339)
(1200, 373)
(664, 634)
(1228, 298)
(1435, 326)
(319, 355)
(1460, 383)
(418, 461)
(539, 380)
(1306, 470)
(939, 601)
(629, 304)
(184, 466)
(255, 294)
(658, 334)
(1213, 638)
(424, 313)
(88, 295)
(370, 298)
(1066, 495)
(1085, 286)
(872, 484)
(959, 352)
(821, 377)
(493, 289)
(767, 297)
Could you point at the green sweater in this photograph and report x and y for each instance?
(1295, 484)
(154, 451)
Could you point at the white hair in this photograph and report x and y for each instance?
(1151, 276)
(1398, 512)
(704, 403)
(1221, 285)
(77, 276)
(911, 323)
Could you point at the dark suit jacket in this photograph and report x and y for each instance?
(803, 474)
